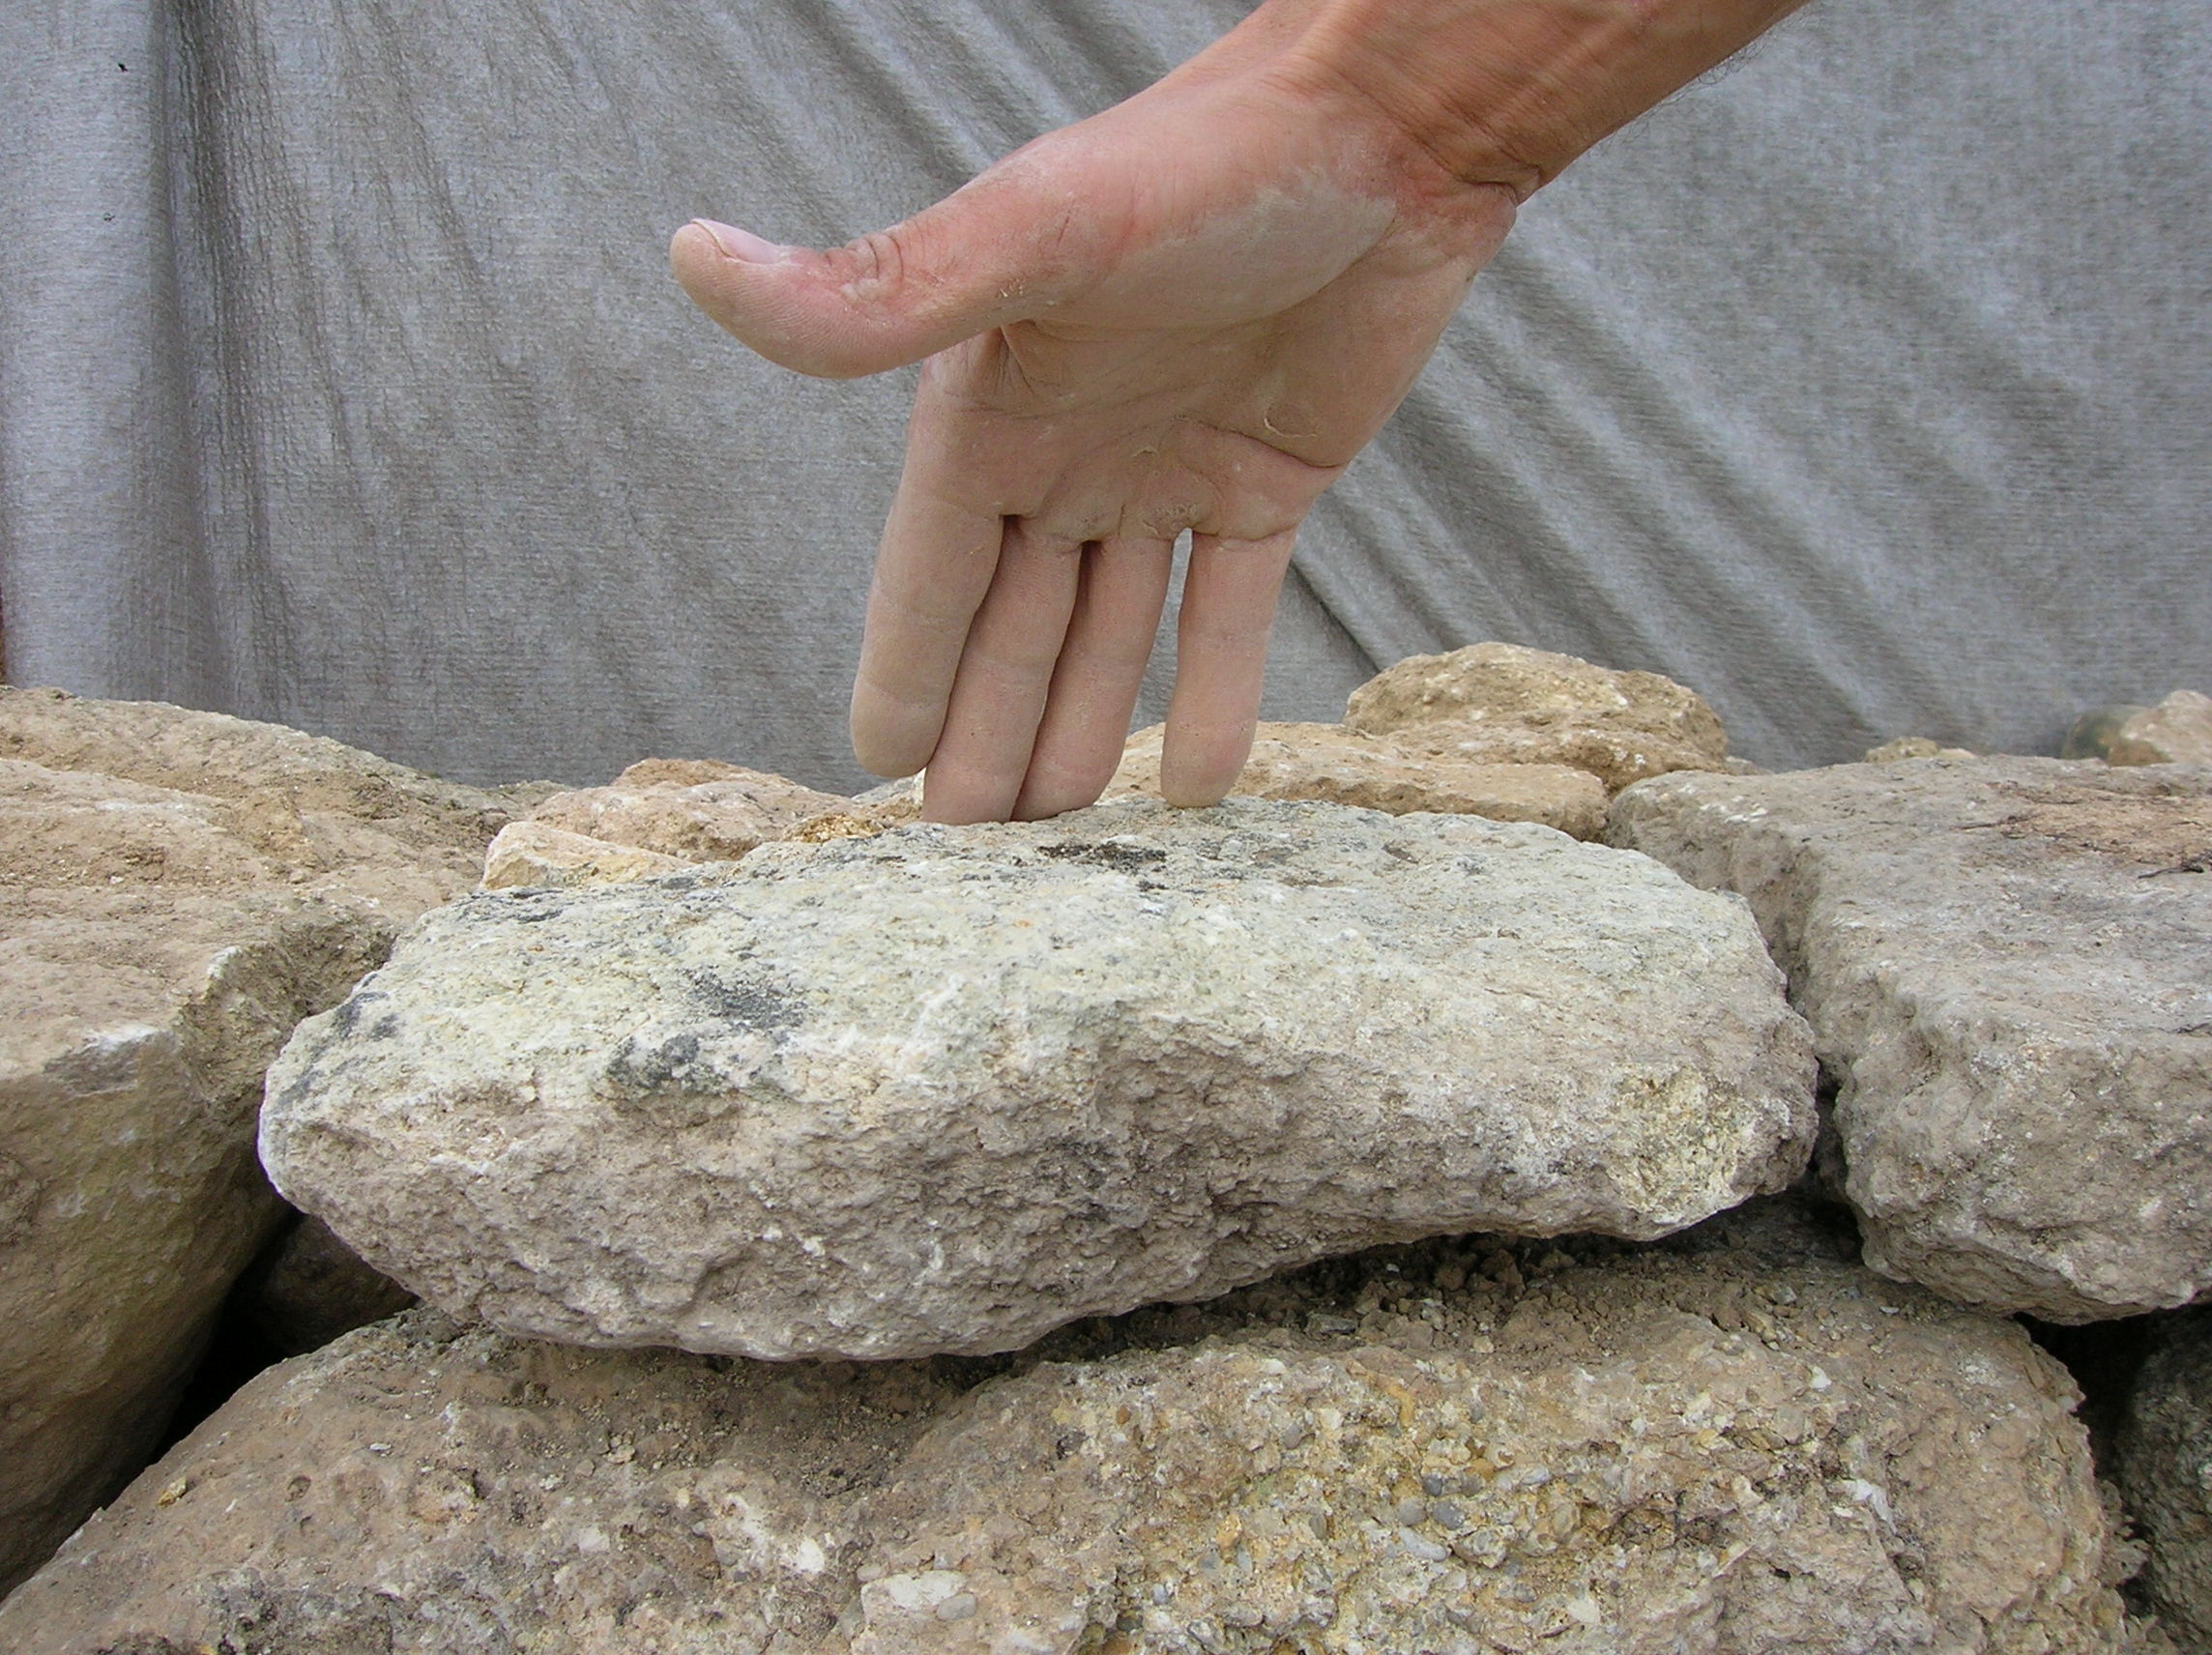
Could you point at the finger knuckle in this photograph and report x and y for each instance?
(873, 262)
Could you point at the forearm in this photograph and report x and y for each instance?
(1505, 92)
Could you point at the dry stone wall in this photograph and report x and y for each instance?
(718, 1061)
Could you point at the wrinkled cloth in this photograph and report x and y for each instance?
(1862, 386)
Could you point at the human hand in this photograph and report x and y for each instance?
(1190, 313)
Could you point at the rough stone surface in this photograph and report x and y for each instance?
(2177, 731)
(310, 804)
(665, 814)
(538, 852)
(158, 938)
(942, 1090)
(859, 818)
(2008, 967)
(1731, 1442)
(696, 810)
(308, 1288)
(2164, 1466)
(1911, 747)
(1374, 773)
(1502, 703)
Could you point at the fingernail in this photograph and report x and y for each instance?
(741, 245)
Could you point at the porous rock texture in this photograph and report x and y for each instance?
(2163, 1464)
(2177, 731)
(1374, 773)
(2007, 963)
(872, 812)
(1503, 704)
(942, 1090)
(538, 852)
(694, 810)
(659, 814)
(1736, 1440)
(1912, 747)
(177, 889)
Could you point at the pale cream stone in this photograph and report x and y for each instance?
(1330, 763)
(941, 1090)
(537, 853)
(2007, 963)
(1502, 704)
(177, 889)
(2177, 731)
(695, 810)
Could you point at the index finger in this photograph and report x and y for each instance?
(938, 554)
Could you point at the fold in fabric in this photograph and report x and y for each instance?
(1862, 386)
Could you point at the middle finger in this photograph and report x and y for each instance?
(1004, 674)
(1100, 670)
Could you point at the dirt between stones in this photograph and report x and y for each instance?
(2169, 832)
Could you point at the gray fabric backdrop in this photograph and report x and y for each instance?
(1863, 386)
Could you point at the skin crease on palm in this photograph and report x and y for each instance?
(1190, 313)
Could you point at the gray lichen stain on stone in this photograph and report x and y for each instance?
(528, 905)
(671, 1082)
(1108, 854)
(352, 1015)
(758, 1004)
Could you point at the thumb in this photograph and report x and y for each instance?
(999, 249)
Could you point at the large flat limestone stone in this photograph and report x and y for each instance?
(2008, 965)
(942, 1090)
(1731, 1442)
(177, 889)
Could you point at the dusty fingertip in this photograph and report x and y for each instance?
(1190, 798)
(885, 769)
(888, 741)
(1196, 786)
(887, 760)
(960, 803)
(1050, 791)
(1201, 768)
(1042, 807)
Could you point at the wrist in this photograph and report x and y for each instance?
(1508, 92)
